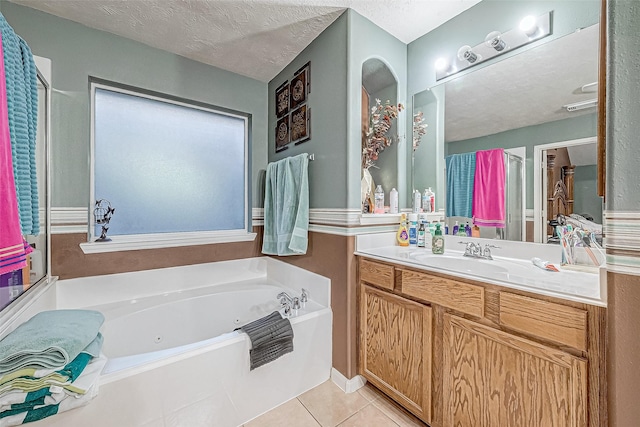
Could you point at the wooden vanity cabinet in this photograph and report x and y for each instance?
(395, 351)
(493, 378)
(465, 353)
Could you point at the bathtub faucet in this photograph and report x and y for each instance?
(289, 303)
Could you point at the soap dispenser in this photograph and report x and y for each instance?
(437, 242)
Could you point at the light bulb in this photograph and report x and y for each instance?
(494, 40)
(465, 53)
(529, 25)
(442, 64)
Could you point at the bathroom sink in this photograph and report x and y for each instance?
(459, 263)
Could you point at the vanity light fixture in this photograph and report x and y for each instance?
(531, 29)
(582, 105)
(442, 64)
(465, 53)
(529, 25)
(494, 41)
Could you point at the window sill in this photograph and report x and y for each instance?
(166, 240)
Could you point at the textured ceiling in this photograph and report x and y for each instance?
(255, 38)
(527, 89)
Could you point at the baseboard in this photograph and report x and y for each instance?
(345, 384)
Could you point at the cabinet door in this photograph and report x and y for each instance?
(395, 348)
(492, 378)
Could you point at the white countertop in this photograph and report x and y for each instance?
(514, 271)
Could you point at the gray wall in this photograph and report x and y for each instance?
(327, 101)
(623, 108)
(77, 52)
(585, 192)
(561, 130)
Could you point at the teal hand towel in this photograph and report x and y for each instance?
(461, 169)
(286, 207)
(50, 339)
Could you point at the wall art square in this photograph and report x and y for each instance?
(282, 99)
(282, 134)
(300, 87)
(301, 125)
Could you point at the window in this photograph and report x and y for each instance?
(175, 172)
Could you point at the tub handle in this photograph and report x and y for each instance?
(296, 303)
(304, 297)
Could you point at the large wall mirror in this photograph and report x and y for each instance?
(543, 95)
(38, 270)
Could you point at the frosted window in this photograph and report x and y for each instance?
(168, 168)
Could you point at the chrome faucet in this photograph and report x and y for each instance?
(284, 298)
(289, 303)
(475, 250)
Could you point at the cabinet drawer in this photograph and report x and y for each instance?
(453, 294)
(551, 321)
(377, 274)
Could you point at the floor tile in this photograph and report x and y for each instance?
(369, 392)
(330, 406)
(290, 414)
(369, 416)
(396, 413)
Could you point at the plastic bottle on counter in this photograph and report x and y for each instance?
(416, 201)
(403, 233)
(467, 229)
(393, 201)
(461, 231)
(429, 200)
(421, 235)
(437, 242)
(379, 200)
(475, 231)
(413, 229)
(456, 227)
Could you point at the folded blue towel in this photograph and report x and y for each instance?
(286, 207)
(461, 169)
(49, 340)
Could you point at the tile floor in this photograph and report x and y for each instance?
(328, 406)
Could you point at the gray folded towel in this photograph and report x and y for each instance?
(271, 337)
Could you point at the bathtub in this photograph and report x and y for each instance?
(174, 357)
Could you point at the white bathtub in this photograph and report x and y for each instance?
(174, 357)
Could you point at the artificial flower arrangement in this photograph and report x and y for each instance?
(376, 140)
(419, 128)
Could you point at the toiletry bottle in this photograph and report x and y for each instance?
(446, 228)
(425, 201)
(393, 201)
(455, 229)
(475, 231)
(437, 242)
(403, 233)
(467, 229)
(432, 200)
(413, 229)
(461, 231)
(416, 201)
(379, 200)
(421, 235)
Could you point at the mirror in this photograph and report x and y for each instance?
(516, 104)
